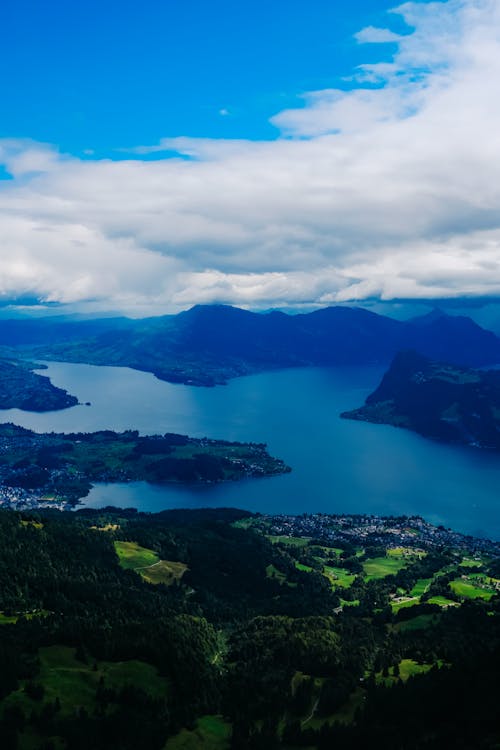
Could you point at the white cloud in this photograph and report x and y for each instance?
(390, 191)
(374, 35)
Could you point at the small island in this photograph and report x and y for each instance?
(59, 469)
(438, 400)
(21, 388)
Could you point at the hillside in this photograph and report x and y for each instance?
(438, 400)
(20, 388)
(220, 629)
(210, 344)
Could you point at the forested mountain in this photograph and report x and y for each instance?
(52, 329)
(209, 344)
(437, 399)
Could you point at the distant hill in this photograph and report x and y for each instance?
(20, 388)
(54, 329)
(209, 344)
(438, 400)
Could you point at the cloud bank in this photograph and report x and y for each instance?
(389, 188)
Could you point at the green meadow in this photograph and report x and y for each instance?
(209, 733)
(292, 541)
(404, 603)
(469, 589)
(421, 586)
(74, 682)
(147, 563)
(12, 619)
(273, 572)
(407, 668)
(338, 577)
(420, 622)
(407, 552)
(442, 601)
(303, 568)
(132, 556)
(379, 567)
(164, 571)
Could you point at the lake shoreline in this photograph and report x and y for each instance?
(339, 466)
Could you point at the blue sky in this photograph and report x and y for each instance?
(158, 155)
(99, 76)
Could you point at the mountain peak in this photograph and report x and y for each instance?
(435, 314)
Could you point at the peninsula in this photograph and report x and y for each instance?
(438, 400)
(59, 469)
(21, 388)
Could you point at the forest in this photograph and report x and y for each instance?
(207, 628)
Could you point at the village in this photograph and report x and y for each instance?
(385, 531)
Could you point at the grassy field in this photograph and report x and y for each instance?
(407, 552)
(419, 622)
(148, 564)
(338, 577)
(421, 586)
(468, 589)
(35, 524)
(106, 527)
(304, 568)
(344, 715)
(323, 552)
(407, 668)
(442, 601)
(8, 619)
(346, 603)
(12, 619)
(470, 562)
(273, 572)
(164, 571)
(243, 523)
(404, 602)
(293, 541)
(209, 733)
(75, 682)
(132, 556)
(379, 567)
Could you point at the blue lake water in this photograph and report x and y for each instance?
(338, 466)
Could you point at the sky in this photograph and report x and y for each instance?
(161, 154)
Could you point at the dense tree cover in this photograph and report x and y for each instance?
(271, 653)
(23, 389)
(436, 399)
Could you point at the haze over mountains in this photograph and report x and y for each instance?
(209, 344)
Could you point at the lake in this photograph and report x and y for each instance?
(338, 466)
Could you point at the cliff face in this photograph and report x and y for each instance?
(438, 400)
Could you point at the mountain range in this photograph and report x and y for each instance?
(209, 344)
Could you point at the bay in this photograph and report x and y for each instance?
(338, 466)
